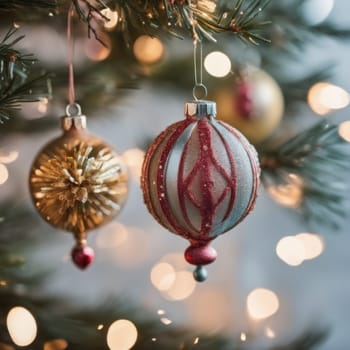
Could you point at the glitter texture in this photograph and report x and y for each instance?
(78, 183)
(200, 179)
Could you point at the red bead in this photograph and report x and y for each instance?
(82, 256)
(200, 254)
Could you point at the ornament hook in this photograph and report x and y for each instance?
(199, 87)
(199, 92)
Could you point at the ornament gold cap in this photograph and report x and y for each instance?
(73, 118)
(200, 108)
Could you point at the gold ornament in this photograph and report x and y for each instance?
(252, 103)
(78, 182)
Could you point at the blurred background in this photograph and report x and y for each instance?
(280, 279)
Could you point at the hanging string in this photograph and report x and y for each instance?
(72, 105)
(199, 87)
(199, 90)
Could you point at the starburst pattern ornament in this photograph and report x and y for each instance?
(200, 179)
(77, 183)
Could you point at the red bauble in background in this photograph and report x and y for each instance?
(200, 179)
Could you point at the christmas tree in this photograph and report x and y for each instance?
(277, 71)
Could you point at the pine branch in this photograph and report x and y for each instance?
(27, 5)
(19, 91)
(311, 339)
(73, 321)
(314, 162)
(290, 31)
(240, 18)
(91, 14)
(13, 61)
(16, 86)
(194, 19)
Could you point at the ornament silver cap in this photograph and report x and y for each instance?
(73, 118)
(78, 122)
(200, 108)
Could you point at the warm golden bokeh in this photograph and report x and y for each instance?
(163, 276)
(344, 130)
(21, 325)
(148, 50)
(262, 303)
(217, 64)
(290, 250)
(121, 335)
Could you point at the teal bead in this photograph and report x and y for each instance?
(200, 274)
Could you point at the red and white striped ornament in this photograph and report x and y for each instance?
(200, 179)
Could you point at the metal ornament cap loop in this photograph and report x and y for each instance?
(73, 110)
(199, 109)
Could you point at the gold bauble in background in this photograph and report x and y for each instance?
(78, 182)
(251, 101)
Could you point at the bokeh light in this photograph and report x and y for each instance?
(344, 130)
(289, 195)
(4, 174)
(135, 250)
(324, 97)
(95, 51)
(176, 260)
(166, 321)
(163, 276)
(262, 303)
(113, 18)
(313, 245)
(21, 325)
(56, 344)
(270, 333)
(314, 99)
(316, 11)
(293, 250)
(134, 159)
(217, 64)
(112, 235)
(210, 309)
(43, 105)
(9, 157)
(243, 337)
(290, 250)
(121, 335)
(334, 97)
(183, 286)
(148, 50)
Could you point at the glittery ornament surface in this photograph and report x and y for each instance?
(200, 178)
(77, 182)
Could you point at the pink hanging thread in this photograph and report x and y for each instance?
(70, 51)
